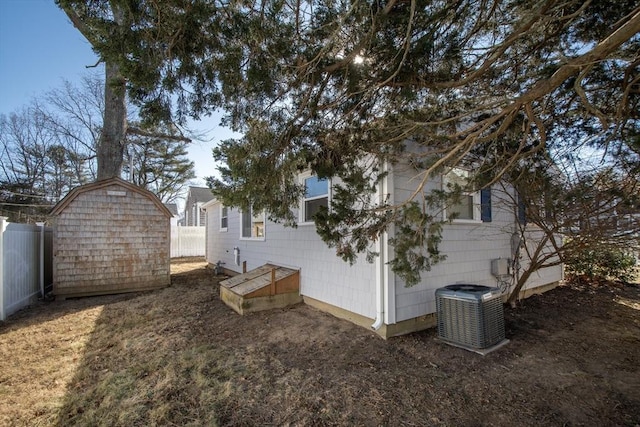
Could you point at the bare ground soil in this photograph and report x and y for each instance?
(179, 356)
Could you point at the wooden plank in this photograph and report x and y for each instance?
(272, 285)
(288, 284)
(256, 274)
(258, 293)
(264, 280)
(244, 277)
(250, 286)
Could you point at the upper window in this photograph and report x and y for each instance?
(316, 196)
(224, 218)
(252, 226)
(467, 207)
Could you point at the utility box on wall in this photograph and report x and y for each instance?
(500, 267)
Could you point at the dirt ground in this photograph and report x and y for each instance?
(179, 356)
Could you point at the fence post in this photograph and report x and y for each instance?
(3, 227)
(41, 263)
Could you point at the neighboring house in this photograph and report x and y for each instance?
(370, 294)
(175, 217)
(193, 213)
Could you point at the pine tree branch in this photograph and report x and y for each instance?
(574, 66)
(98, 62)
(132, 130)
(77, 22)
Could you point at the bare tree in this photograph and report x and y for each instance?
(563, 214)
(49, 147)
(25, 140)
(75, 113)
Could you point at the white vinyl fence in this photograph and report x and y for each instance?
(26, 260)
(26, 264)
(187, 241)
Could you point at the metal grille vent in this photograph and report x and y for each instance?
(470, 315)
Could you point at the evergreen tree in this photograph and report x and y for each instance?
(132, 38)
(161, 166)
(348, 88)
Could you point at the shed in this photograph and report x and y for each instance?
(110, 237)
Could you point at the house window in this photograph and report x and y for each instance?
(252, 225)
(467, 207)
(316, 196)
(224, 217)
(202, 216)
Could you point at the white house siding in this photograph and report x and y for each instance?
(323, 276)
(469, 249)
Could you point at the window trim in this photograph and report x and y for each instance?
(476, 202)
(302, 211)
(223, 229)
(264, 226)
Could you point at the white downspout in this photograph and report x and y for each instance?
(380, 259)
(379, 286)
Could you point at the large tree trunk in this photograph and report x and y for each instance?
(110, 150)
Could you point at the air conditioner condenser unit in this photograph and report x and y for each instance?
(470, 316)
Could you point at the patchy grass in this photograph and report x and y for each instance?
(179, 356)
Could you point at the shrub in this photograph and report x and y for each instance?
(602, 263)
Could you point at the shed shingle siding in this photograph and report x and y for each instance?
(111, 239)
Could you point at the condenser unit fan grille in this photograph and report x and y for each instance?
(470, 315)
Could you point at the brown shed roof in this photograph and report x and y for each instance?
(62, 204)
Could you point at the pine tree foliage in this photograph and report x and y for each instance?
(498, 87)
(349, 89)
(159, 165)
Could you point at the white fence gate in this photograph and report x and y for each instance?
(187, 241)
(26, 264)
